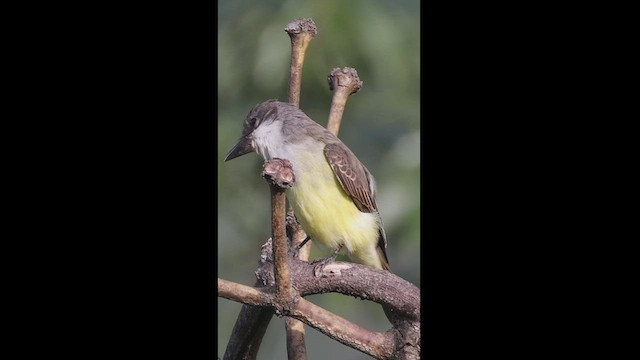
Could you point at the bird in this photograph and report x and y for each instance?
(334, 194)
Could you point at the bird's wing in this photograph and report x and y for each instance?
(356, 181)
(360, 185)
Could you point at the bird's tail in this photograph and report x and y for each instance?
(383, 258)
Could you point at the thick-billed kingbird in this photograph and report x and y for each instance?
(334, 195)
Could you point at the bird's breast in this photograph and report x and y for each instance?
(323, 208)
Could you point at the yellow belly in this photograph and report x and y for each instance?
(328, 215)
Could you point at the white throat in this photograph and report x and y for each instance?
(268, 140)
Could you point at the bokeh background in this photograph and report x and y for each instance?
(381, 124)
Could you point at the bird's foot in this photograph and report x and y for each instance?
(302, 243)
(295, 250)
(320, 264)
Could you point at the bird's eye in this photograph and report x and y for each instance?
(249, 125)
(252, 122)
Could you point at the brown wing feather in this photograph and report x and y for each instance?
(352, 176)
(358, 183)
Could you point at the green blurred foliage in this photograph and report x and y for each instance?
(381, 124)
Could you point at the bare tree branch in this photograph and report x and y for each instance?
(351, 279)
(248, 332)
(301, 31)
(343, 82)
(279, 176)
(401, 342)
(296, 347)
(379, 345)
(252, 321)
(376, 344)
(244, 294)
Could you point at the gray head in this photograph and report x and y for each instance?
(264, 126)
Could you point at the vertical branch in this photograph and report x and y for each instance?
(343, 82)
(248, 331)
(279, 176)
(252, 321)
(301, 31)
(280, 246)
(296, 348)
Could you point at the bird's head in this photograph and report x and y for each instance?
(258, 130)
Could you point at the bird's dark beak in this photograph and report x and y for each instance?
(242, 147)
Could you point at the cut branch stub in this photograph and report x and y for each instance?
(301, 31)
(278, 172)
(343, 82)
(301, 25)
(279, 175)
(346, 78)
